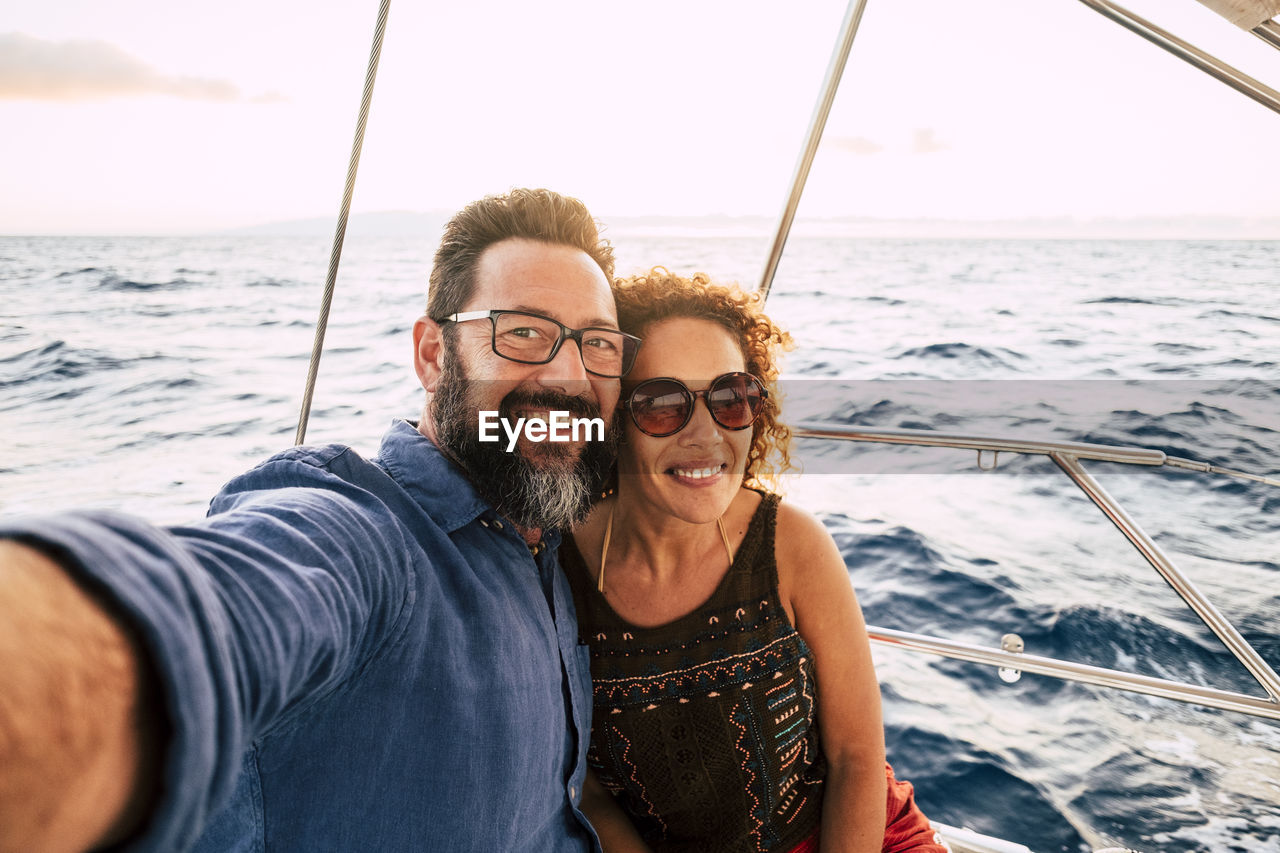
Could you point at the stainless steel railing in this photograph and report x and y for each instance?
(1067, 455)
(1211, 65)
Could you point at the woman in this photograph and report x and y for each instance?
(713, 611)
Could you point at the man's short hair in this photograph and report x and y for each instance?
(529, 214)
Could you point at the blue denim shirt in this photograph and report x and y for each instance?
(351, 661)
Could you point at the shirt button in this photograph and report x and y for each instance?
(497, 524)
(573, 792)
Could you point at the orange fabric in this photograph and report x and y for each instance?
(906, 828)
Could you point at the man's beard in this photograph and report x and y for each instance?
(554, 492)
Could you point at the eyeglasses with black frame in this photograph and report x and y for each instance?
(663, 406)
(530, 338)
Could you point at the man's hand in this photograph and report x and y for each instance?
(76, 750)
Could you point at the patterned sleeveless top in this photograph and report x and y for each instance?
(704, 728)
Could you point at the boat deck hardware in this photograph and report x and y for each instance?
(1067, 455)
(1252, 15)
(1012, 644)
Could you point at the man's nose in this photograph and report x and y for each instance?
(566, 370)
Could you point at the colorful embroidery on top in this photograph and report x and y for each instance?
(705, 728)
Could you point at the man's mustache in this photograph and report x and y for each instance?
(552, 401)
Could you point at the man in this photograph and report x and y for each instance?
(344, 655)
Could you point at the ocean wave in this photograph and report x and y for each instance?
(961, 784)
(1217, 834)
(115, 283)
(1159, 302)
(1109, 637)
(57, 360)
(906, 583)
(1255, 389)
(883, 412)
(79, 272)
(1244, 363)
(968, 354)
(1222, 312)
(1178, 349)
(1155, 781)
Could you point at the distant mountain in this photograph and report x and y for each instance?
(387, 223)
(396, 223)
(427, 225)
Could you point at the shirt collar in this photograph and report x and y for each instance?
(433, 481)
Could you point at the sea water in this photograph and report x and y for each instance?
(142, 373)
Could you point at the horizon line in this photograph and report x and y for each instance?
(1047, 226)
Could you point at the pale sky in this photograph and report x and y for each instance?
(141, 116)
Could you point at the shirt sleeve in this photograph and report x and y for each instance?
(295, 580)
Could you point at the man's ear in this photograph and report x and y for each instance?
(428, 352)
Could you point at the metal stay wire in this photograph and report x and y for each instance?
(1222, 628)
(839, 57)
(1211, 65)
(1067, 455)
(1268, 31)
(1254, 16)
(340, 231)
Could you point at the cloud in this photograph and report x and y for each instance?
(80, 70)
(856, 145)
(924, 142)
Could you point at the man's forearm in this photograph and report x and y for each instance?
(75, 746)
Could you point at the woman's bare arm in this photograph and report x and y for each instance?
(813, 580)
(76, 747)
(617, 833)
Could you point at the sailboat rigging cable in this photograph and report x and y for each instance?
(839, 58)
(335, 254)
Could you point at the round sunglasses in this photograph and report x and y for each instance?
(663, 406)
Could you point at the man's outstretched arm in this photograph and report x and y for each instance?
(78, 745)
(220, 631)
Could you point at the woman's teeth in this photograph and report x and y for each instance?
(696, 473)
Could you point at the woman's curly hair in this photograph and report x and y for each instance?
(661, 295)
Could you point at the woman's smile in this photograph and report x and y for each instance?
(697, 475)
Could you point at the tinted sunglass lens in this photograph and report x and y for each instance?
(660, 408)
(735, 400)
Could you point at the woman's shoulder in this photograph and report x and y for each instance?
(803, 544)
(793, 525)
(797, 524)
